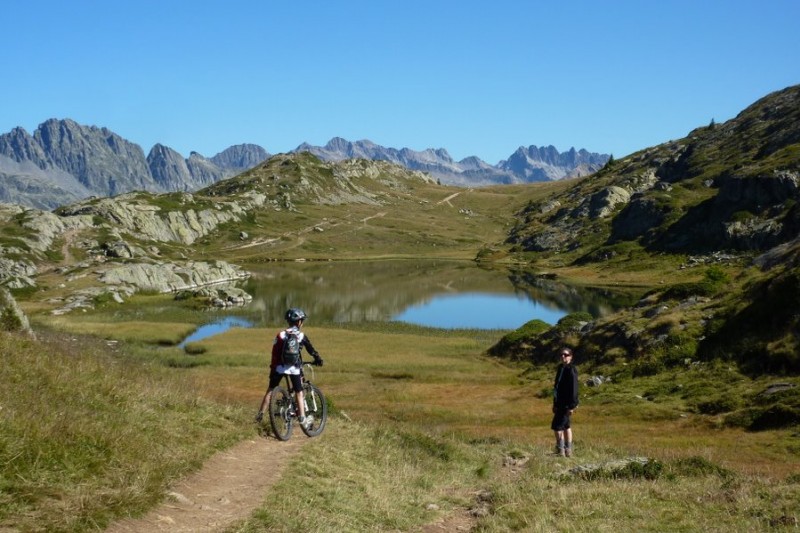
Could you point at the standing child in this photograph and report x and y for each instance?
(278, 367)
(565, 401)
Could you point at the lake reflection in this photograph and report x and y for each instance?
(480, 311)
(422, 292)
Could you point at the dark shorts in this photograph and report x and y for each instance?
(560, 419)
(275, 380)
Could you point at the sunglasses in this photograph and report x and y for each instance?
(566, 354)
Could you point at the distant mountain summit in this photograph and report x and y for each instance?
(63, 162)
(523, 166)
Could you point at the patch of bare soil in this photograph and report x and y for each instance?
(229, 487)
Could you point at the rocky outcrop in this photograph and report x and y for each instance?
(215, 282)
(38, 229)
(17, 274)
(141, 217)
(172, 277)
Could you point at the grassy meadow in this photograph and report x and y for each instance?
(424, 427)
(103, 412)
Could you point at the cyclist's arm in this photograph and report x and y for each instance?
(311, 350)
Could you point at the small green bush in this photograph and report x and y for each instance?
(718, 404)
(573, 321)
(10, 321)
(647, 366)
(775, 417)
(650, 470)
(526, 331)
(697, 467)
(194, 349)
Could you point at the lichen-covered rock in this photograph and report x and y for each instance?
(172, 277)
(17, 274)
(142, 218)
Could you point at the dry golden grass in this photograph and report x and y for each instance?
(441, 383)
(164, 333)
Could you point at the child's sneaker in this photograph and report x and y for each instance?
(306, 421)
(568, 450)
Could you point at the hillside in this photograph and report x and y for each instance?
(725, 187)
(710, 225)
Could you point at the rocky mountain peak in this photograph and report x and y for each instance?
(20, 146)
(64, 161)
(240, 157)
(525, 165)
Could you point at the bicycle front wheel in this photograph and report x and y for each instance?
(316, 408)
(281, 411)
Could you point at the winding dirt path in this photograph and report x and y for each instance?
(229, 487)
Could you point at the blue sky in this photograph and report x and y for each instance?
(474, 77)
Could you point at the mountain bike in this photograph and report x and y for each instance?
(283, 411)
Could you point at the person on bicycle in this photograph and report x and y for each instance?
(277, 369)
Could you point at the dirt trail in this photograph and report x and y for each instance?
(229, 487)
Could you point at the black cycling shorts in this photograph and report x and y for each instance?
(275, 380)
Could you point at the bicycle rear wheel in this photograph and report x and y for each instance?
(315, 408)
(281, 411)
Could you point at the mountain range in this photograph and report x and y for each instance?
(63, 162)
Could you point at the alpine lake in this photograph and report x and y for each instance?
(439, 294)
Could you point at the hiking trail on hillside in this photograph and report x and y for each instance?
(228, 488)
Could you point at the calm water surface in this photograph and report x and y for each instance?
(480, 311)
(444, 294)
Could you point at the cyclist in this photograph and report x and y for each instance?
(295, 318)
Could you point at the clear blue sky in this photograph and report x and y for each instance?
(474, 77)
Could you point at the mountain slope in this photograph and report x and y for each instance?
(731, 186)
(711, 222)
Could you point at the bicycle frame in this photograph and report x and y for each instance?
(283, 409)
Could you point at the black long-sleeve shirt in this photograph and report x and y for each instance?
(565, 388)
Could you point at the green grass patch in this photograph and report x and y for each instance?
(88, 437)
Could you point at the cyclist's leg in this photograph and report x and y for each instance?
(297, 385)
(274, 381)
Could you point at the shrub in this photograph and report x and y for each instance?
(698, 467)
(713, 281)
(650, 470)
(776, 416)
(722, 403)
(647, 366)
(10, 321)
(194, 349)
(529, 329)
(527, 332)
(573, 321)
